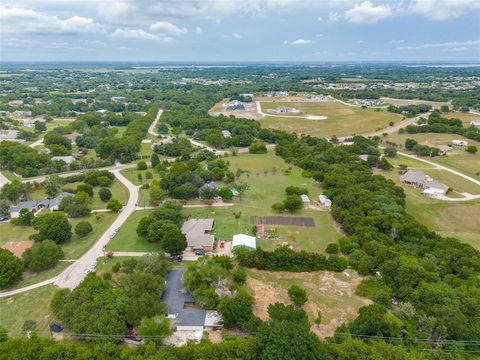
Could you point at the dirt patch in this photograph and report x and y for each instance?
(282, 220)
(331, 294)
(215, 336)
(18, 247)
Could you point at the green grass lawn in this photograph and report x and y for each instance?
(342, 120)
(29, 278)
(127, 239)
(132, 175)
(456, 219)
(32, 305)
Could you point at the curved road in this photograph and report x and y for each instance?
(73, 275)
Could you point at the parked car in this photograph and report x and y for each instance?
(199, 252)
(5, 218)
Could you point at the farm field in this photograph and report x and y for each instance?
(465, 117)
(332, 294)
(400, 102)
(456, 219)
(32, 305)
(457, 159)
(342, 120)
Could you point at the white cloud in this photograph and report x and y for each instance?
(140, 34)
(198, 29)
(460, 48)
(236, 36)
(23, 20)
(359, 41)
(443, 9)
(165, 27)
(298, 42)
(396, 41)
(366, 13)
(445, 45)
(334, 16)
(318, 35)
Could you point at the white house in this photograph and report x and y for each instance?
(66, 159)
(460, 142)
(244, 240)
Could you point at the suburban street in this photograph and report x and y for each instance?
(73, 275)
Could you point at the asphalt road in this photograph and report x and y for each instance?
(73, 275)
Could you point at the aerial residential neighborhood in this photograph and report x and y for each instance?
(258, 180)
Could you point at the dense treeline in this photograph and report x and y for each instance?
(438, 124)
(410, 110)
(438, 276)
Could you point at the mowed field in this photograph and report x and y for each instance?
(457, 159)
(266, 188)
(342, 120)
(456, 219)
(330, 294)
(32, 305)
(403, 102)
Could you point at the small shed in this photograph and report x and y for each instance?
(244, 240)
(305, 199)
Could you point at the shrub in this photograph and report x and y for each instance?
(83, 228)
(257, 147)
(332, 248)
(142, 165)
(42, 255)
(298, 295)
(105, 194)
(239, 275)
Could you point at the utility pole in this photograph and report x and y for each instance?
(104, 248)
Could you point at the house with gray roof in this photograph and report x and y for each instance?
(181, 305)
(414, 178)
(36, 205)
(66, 159)
(198, 234)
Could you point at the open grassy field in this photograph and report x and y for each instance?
(265, 189)
(32, 305)
(457, 159)
(127, 239)
(401, 102)
(332, 294)
(465, 117)
(132, 175)
(342, 120)
(456, 219)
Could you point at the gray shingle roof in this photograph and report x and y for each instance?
(195, 231)
(413, 176)
(175, 297)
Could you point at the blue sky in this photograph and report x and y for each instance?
(239, 30)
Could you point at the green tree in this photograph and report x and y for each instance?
(154, 329)
(237, 310)
(52, 226)
(155, 160)
(3, 334)
(332, 248)
(156, 191)
(292, 203)
(257, 147)
(53, 185)
(472, 149)
(298, 295)
(174, 242)
(86, 188)
(142, 165)
(105, 194)
(445, 108)
(143, 225)
(410, 143)
(12, 191)
(114, 205)
(42, 255)
(390, 151)
(225, 193)
(239, 275)
(25, 218)
(4, 207)
(11, 268)
(83, 228)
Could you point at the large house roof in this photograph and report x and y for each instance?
(175, 297)
(31, 204)
(195, 230)
(413, 176)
